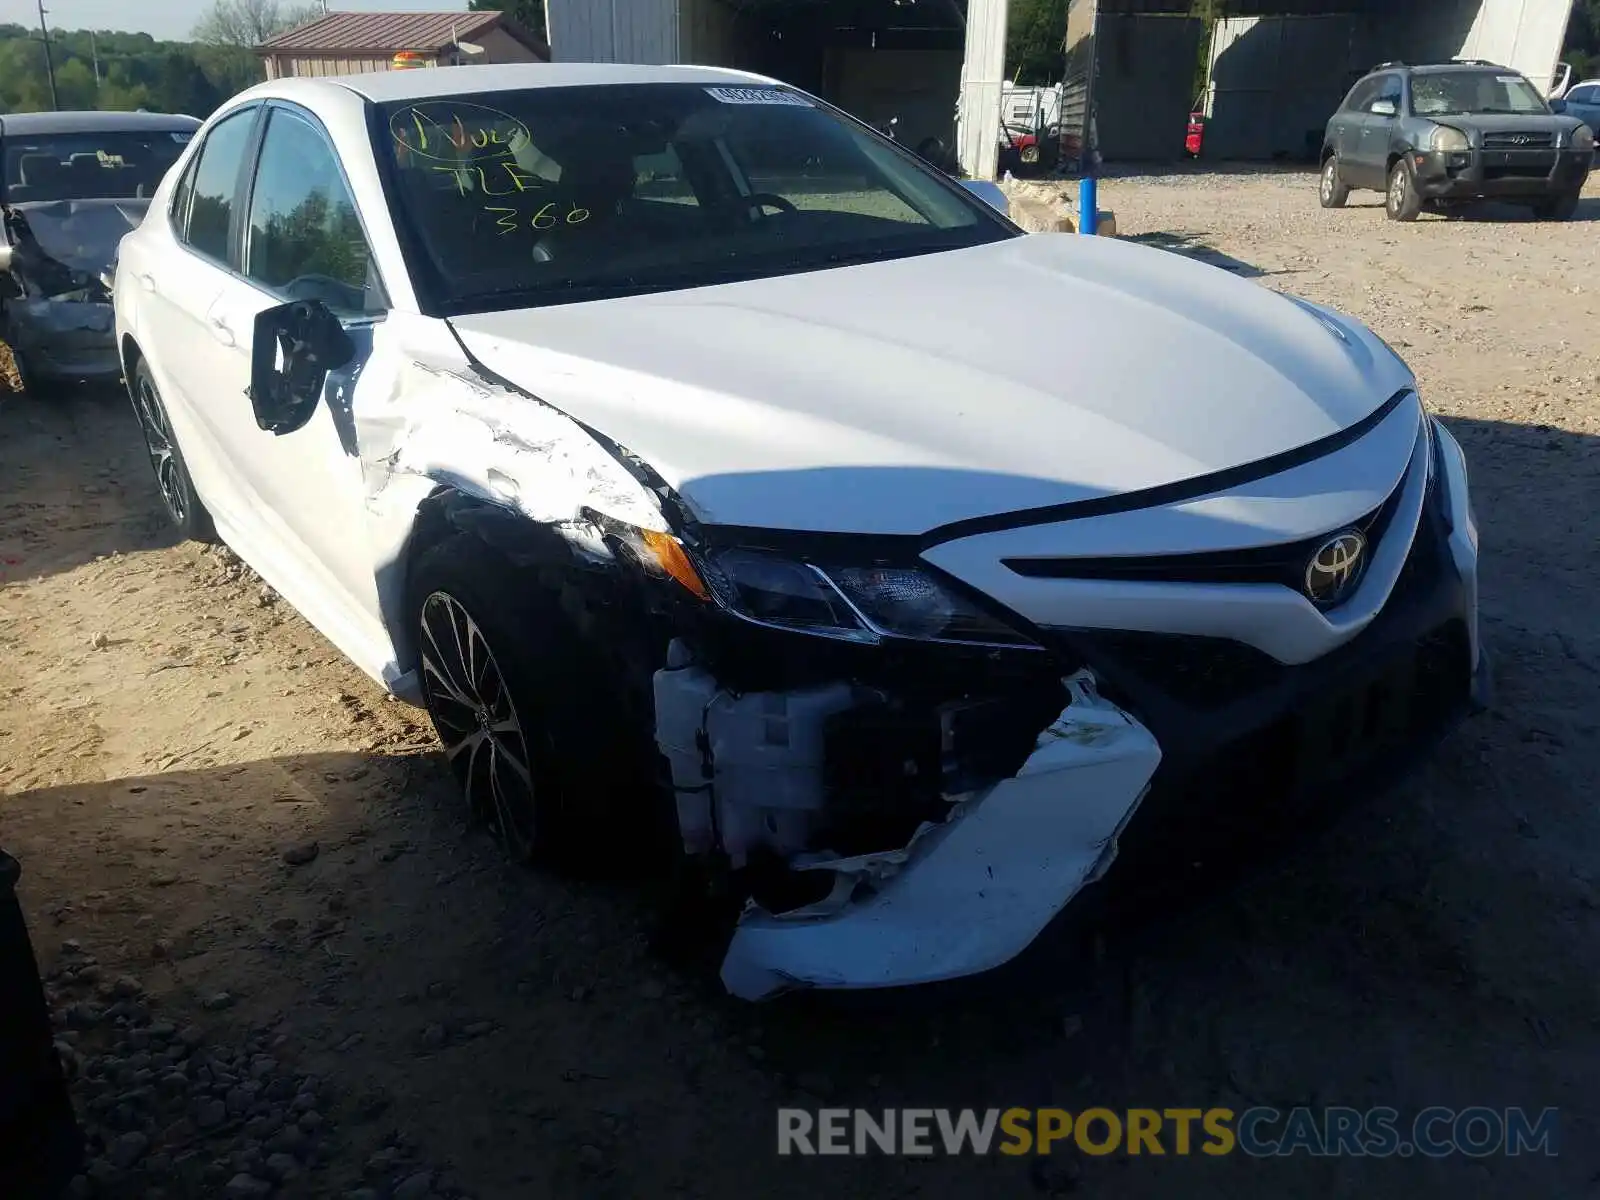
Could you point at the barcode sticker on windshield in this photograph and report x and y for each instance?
(757, 95)
(1508, 78)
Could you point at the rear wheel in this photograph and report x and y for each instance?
(1333, 192)
(1402, 201)
(1557, 208)
(184, 509)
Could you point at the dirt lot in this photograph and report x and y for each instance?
(401, 1011)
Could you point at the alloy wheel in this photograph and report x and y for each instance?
(477, 722)
(1327, 180)
(158, 441)
(1397, 189)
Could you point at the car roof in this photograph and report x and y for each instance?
(35, 124)
(1464, 68)
(429, 82)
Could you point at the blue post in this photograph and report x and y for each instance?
(1088, 205)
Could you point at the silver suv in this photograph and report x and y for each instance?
(1453, 133)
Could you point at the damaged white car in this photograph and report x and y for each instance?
(663, 431)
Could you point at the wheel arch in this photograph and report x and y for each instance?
(572, 565)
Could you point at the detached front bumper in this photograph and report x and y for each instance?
(1491, 174)
(969, 894)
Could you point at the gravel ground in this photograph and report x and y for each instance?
(280, 966)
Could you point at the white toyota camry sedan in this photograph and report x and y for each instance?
(728, 483)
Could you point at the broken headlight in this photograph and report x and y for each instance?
(855, 604)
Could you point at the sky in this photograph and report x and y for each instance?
(172, 18)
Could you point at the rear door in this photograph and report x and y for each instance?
(187, 353)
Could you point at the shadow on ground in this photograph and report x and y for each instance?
(57, 478)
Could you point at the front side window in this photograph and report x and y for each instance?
(303, 239)
(119, 164)
(550, 195)
(1389, 89)
(215, 181)
(1461, 93)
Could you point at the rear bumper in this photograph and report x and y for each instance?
(1489, 174)
(972, 892)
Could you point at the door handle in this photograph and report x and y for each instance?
(147, 281)
(220, 331)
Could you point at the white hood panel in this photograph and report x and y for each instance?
(899, 396)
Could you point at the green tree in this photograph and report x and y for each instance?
(75, 87)
(527, 13)
(1035, 31)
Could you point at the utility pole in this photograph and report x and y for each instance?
(49, 64)
(94, 52)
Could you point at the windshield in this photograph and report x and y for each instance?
(106, 164)
(1462, 92)
(551, 195)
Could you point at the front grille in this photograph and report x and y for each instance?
(1519, 139)
(1297, 771)
(1203, 672)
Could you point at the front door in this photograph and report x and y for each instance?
(303, 240)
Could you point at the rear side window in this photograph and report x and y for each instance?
(214, 183)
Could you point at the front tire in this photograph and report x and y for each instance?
(548, 754)
(1333, 192)
(1557, 208)
(184, 508)
(1402, 201)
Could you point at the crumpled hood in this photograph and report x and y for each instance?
(82, 235)
(898, 396)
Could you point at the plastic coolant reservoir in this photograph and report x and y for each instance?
(765, 754)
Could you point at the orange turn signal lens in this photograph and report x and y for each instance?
(669, 556)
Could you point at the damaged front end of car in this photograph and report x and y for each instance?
(897, 785)
(57, 259)
(890, 780)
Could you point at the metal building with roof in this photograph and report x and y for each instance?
(346, 43)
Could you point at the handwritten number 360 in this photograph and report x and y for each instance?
(545, 218)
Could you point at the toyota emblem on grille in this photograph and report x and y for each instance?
(1335, 568)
